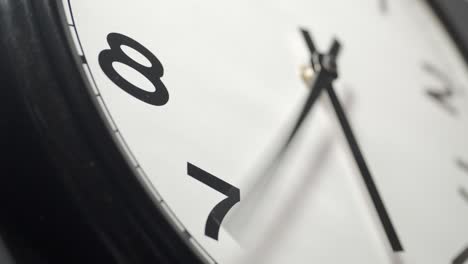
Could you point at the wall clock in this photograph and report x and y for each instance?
(248, 132)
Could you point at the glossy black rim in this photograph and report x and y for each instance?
(48, 82)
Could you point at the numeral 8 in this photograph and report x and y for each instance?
(153, 74)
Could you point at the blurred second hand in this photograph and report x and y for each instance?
(317, 78)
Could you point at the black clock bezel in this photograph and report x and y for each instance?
(43, 74)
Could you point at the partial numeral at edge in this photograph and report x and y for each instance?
(443, 93)
(216, 216)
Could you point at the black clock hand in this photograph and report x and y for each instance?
(308, 39)
(365, 173)
(321, 80)
(238, 222)
(323, 77)
(351, 139)
(325, 73)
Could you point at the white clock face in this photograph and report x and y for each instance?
(201, 95)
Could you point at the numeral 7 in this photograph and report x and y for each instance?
(216, 216)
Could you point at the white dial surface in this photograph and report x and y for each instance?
(202, 95)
